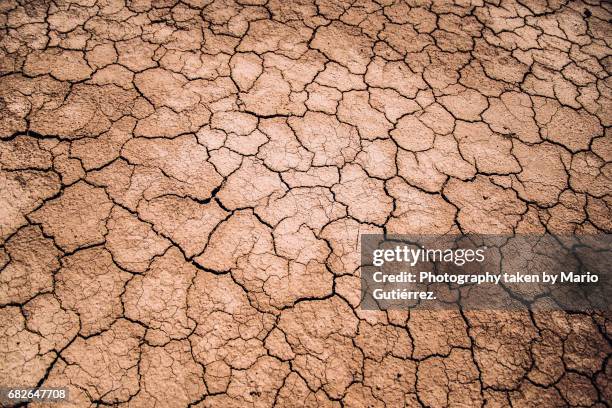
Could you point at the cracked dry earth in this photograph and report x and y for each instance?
(183, 185)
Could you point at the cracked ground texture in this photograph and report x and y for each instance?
(183, 185)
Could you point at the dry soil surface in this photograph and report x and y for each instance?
(183, 185)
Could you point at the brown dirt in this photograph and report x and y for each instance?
(183, 185)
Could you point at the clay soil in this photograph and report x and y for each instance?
(183, 185)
